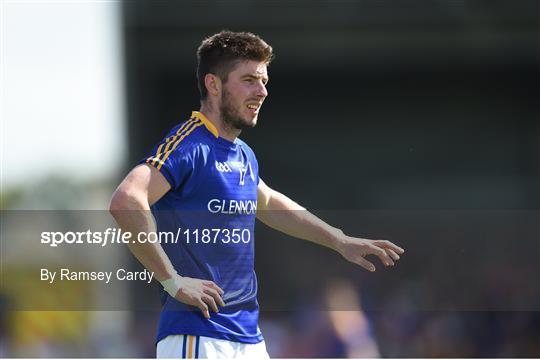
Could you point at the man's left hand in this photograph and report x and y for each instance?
(356, 249)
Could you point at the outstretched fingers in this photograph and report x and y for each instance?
(385, 244)
(366, 264)
(392, 254)
(356, 250)
(383, 256)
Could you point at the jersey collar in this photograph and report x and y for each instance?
(199, 115)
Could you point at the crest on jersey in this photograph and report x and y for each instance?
(243, 172)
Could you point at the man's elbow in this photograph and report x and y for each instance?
(117, 202)
(122, 200)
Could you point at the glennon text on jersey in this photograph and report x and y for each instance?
(232, 207)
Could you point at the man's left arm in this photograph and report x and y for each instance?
(281, 213)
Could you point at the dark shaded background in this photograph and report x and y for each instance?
(416, 121)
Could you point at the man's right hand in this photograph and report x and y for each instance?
(203, 294)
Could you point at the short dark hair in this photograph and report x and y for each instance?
(219, 54)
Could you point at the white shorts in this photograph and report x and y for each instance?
(202, 347)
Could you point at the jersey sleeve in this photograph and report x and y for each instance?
(175, 165)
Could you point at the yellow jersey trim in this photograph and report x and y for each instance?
(167, 153)
(199, 115)
(168, 142)
(172, 142)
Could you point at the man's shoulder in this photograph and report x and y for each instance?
(183, 140)
(192, 144)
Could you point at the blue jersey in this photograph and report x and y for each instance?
(210, 210)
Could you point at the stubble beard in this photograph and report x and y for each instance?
(230, 115)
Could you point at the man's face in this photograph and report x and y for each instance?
(243, 94)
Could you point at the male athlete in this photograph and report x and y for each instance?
(202, 183)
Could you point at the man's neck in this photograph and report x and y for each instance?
(225, 131)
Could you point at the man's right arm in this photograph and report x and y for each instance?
(130, 206)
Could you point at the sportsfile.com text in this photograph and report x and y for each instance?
(117, 236)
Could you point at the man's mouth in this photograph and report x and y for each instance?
(254, 107)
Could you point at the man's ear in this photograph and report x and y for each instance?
(213, 84)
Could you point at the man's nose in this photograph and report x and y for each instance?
(261, 91)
